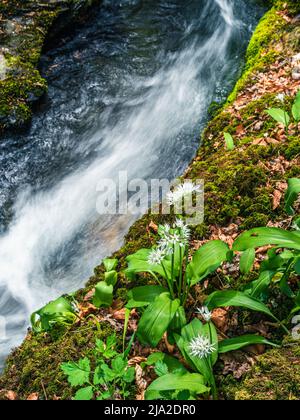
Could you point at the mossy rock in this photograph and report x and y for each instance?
(275, 376)
(21, 84)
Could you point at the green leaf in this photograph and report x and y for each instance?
(129, 375)
(188, 333)
(143, 295)
(257, 287)
(172, 363)
(297, 266)
(161, 368)
(237, 343)
(292, 195)
(119, 364)
(179, 320)
(280, 116)
(108, 374)
(247, 260)
(110, 264)
(229, 141)
(263, 236)
(84, 394)
(192, 382)
(111, 278)
(78, 373)
(296, 110)
(59, 311)
(138, 263)
(98, 376)
(156, 319)
(235, 298)
(207, 259)
(103, 294)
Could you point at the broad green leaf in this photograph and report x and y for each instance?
(297, 265)
(296, 111)
(237, 343)
(263, 236)
(235, 298)
(84, 394)
(292, 195)
(193, 330)
(103, 294)
(192, 382)
(110, 264)
(207, 259)
(156, 319)
(55, 312)
(280, 116)
(275, 261)
(78, 373)
(179, 320)
(111, 278)
(247, 260)
(256, 288)
(229, 141)
(138, 263)
(143, 295)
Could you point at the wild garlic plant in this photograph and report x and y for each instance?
(174, 273)
(172, 254)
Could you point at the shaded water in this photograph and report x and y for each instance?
(128, 92)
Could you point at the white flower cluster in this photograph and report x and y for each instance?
(181, 192)
(201, 347)
(205, 313)
(170, 237)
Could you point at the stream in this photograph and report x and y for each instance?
(128, 92)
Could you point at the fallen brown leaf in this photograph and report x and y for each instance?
(33, 397)
(11, 395)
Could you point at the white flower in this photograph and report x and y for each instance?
(205, 313)
(165, 229)
(201, 347)
(156, 256)
(182, 191)
(179, 224)
(281, 97)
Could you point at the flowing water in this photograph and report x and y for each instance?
(130, 91)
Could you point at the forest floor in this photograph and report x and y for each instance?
(244, 189)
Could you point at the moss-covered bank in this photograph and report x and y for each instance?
(24, 27)
(240, 189)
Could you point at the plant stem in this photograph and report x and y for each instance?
(170, 285)
(180, 291)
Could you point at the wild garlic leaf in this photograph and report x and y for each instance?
(78, 373)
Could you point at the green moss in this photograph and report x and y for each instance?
(275, 376)
(35, 367)
(261, 50)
